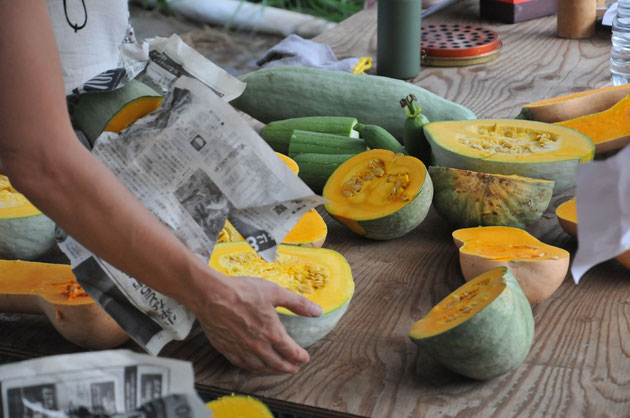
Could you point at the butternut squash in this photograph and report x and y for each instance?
(571, 106)
(609, 130)
(539, 268)
(52, 290)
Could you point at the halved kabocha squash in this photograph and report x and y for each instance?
(468, 198)
(574, 105)
(321, 275)
(538, 267)
(309, 231)
(609, 130)
(51, 289)
(482, 330)
(567, 217)
(507, 146)
(379, 194)
(238, 406)
(25, 232)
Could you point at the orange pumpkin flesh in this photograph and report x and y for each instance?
(609, 130)
(538, 267)
(51, 289)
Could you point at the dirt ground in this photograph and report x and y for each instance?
(234, 51)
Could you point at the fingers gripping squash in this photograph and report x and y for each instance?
(321, 275)
(379, 194)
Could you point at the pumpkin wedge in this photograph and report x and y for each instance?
(379, 194)
(567, 217)
(25, 232)
(482, 330)
(467, 198)
(319, 274)
(51, 289)
(115, 110)
(506, 146)
(574, 105)
(238, 406)
(609, 130)
(538, 267)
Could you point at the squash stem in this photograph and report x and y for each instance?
(412, 110)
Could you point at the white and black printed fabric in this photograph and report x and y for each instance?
(89, 35)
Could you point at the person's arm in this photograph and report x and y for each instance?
(45, 161)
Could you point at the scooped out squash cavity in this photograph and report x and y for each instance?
(539, 268)
(379, 194)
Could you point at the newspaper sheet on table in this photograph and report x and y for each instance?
(111, 383)
(194, 162)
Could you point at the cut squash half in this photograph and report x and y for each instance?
(321, 275)
(482, 330)
(379, 194)
(538, 267)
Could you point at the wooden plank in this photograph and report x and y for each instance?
(579, 364)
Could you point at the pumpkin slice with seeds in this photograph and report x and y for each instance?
(379, 194)
(482, 330)
(319, 274)
(538, 267)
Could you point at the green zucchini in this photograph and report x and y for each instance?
(278, 134)
(413, 133)
(315, 169)
(376, 137)
(287, 92)
(303, 142)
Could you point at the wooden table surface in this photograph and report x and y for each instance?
(579, 363)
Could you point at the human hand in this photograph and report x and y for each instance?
(240, 320)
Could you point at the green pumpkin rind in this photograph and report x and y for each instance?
(306, 331)
(491, 343)
(290, 92)
(562, 172)
(26, 238)
(466, 198)
(403, 221)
